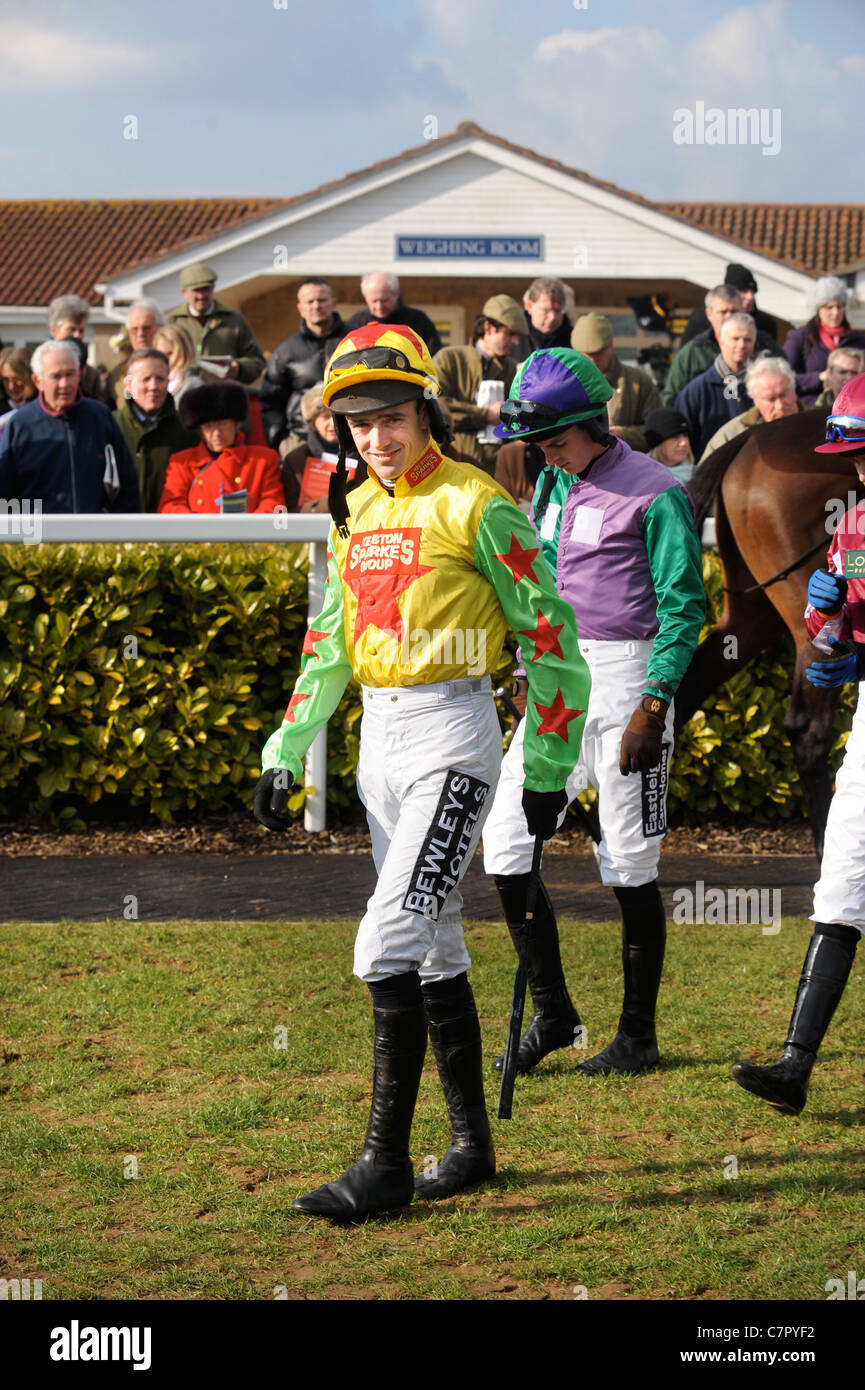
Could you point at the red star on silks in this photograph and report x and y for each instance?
(376, 596)
(295, 700)
(545, 637)
(309, 641)
(557, 716)
(519, 561)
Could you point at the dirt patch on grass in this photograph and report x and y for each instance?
(241, 834)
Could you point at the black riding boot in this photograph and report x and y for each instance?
(455, 1035)
(644, 933)
(821, 984)
(383, 1176)
(555, 1018)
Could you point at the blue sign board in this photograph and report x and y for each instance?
(472, 248)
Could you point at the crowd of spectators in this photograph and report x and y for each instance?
(178, 424)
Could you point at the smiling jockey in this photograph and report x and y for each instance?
(425, 552)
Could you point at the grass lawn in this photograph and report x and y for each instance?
(167, 1090)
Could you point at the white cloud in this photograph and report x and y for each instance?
(602, 99)
(750, 48)
(613, 43)
(33, 58)
(853, 62)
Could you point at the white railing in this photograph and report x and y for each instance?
(33, 528)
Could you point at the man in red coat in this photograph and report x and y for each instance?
(222, 473)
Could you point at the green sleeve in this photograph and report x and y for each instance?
(249, 357)
(549, 526)
(325, 671)
(647, 398)
(678, 376)
(676, 567)
(508, 555)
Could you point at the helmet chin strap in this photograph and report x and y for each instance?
(337, 487)
(337, 503)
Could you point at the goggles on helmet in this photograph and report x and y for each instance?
(517, 415)
(849, 429)
(375, 359)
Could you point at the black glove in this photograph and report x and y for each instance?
(270, 796)
(542, 811)
(642, 739)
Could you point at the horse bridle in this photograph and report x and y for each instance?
(767, 583)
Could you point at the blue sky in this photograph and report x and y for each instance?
(272, 97)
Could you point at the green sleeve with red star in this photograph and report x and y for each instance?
(325, 671)
(508, 555)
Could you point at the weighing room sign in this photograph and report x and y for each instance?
(470, 248)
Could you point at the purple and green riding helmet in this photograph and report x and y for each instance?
(553, 388)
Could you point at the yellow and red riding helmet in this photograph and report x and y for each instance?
(378, 365)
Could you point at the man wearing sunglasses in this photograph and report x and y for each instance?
(835, 619)
(618, 531)
(430, 562)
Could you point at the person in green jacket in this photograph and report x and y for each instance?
(463, 371)
(216, 330)
(618, 533)
(150, 424)
(700, 352)
(634, 391)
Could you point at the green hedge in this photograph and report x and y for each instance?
(147, 674)
(147, 678)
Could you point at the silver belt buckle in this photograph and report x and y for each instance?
(466, 685)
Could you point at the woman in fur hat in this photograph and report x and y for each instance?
(807, 349)
(222, 473)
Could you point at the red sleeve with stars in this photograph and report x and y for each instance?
(325, 671)
(507, 553)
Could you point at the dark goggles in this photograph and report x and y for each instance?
(517, 415)
(838, 429)
(376, 359)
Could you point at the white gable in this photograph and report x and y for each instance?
(473, 188)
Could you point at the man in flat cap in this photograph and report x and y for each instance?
(634, 391)
(216, 330)
(476, 379)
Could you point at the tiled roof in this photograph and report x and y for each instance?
(59, 247)
(64, 247)
(813, 237)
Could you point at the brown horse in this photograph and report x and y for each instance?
(774, 501)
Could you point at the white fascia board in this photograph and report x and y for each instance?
(663, 222)
(122, 287)
(35, 313)
(135, 285)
